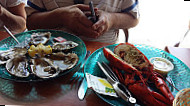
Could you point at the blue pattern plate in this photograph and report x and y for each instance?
(180, 75)
(24, 38)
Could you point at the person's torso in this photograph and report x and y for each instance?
(106, 5)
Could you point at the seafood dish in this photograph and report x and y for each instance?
(37, 38)
(39, 59)
(135, 71)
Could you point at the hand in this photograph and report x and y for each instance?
(1, 10)
(104, 23)
(76, 20)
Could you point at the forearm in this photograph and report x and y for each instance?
(122, 21)
(15, 23)
(41, 20)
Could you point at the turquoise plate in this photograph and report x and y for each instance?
(24, 38)
(180, 75)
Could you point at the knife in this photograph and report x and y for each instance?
(84, 86)
(82, 89)
(119, 88)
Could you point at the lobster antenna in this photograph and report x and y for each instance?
(172, 85)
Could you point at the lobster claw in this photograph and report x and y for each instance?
(163, 88)
(147, 96)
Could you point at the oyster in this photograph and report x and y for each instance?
(20, 51)
(64, 45)
(8, 54)
(64, 61)
(18, 66)
(43, 68)
(37, 38)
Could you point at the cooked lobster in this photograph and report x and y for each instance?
(135, 71)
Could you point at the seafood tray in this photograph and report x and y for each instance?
(49, 52)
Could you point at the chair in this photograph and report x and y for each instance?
(123, 36)
(126, 34)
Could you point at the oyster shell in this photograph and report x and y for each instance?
(18, 66)
(37, 38)
(64, 45)
(8, 54)
(64, 61)
(43, 68)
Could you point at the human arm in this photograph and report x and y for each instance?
(14, 17)
(109, 21)
(71, 18)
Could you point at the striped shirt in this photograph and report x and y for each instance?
(119, 6)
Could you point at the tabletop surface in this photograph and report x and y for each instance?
(61, 90)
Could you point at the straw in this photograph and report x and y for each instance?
(9, 32)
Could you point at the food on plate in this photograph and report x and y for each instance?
(161, 65)
(11, 53)
(18, 66)
(39, 59)
(64, 61)
(41, 37)
(40, 50)
(59, 39)
(135, 71)
(67, 45)
(43, 68)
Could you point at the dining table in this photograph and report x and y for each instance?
(60, 91)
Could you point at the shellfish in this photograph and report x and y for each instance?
(18, 66)
(64, 61)
(8, 54)
(37, 38)
(43, 68)
(64, 45)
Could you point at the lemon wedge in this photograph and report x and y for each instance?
(39, 49)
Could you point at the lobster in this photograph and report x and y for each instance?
(135, 71)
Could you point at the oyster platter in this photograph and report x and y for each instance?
(46, 54)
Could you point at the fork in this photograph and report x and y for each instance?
(79, 75)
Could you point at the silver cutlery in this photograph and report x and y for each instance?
(9, 32)
(83, 86)
(82, 89)
(119, 88)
